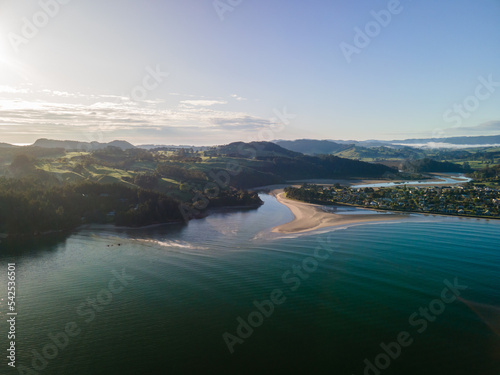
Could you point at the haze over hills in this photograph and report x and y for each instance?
(468, 140)
(352, 150)
(465, 141)
(179, 175)
(158, 146)
(256, 149)
(6, 145)
(313, 146)
(266, 163)
(259, 163)
(81, 146)
(304, 146)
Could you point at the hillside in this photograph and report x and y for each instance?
(429, 165)
(81, 146)
(254, 149)
(178, 173)
(268, 163)
(31, 206)
(381, 153)
(6, 145)
(351, 151)
(195, 179)
(312, 146)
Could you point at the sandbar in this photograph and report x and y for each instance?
(309, 217)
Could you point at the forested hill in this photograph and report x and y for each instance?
(81, 146)
(258, 164)
(429, 165)
(31, 207)
(313, 146)
(255, 150)
(45, 189)
(280, 165)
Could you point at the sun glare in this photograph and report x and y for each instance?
(3, 51)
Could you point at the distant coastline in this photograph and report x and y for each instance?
(421, 213)
(310, 217)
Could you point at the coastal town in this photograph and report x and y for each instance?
(466, 200)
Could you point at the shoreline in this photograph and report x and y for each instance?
(310, 217)
(348, 182)
(423, 213)
(432, 179)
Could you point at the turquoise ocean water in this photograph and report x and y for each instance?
(182, 292)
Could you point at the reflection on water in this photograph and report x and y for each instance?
(31, 245)
(192, 283)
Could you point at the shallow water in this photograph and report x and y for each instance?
(191, 283)
(451, 180)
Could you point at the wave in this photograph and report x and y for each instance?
(172, 243)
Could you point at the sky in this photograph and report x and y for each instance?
(205, 72)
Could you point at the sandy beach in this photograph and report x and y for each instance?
(309, 217)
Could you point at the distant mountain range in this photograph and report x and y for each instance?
(269, 163)
(6, 145)
(255, 149)
(82, 146)
(304, 146)
(469, 140)
(352, 150)
(155, 146)
(313, 146)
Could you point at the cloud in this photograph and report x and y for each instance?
(12, 90)
(245, 123)
(57, 114)
(202, 102)
(237, 97)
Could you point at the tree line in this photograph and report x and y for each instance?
(30, 207)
